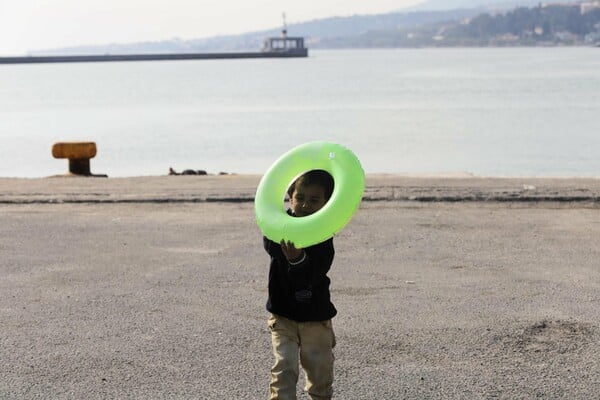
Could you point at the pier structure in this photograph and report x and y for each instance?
(273, 47)
(292, 52)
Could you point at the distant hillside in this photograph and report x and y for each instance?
(548, 25)
(489, 5)
(314, 31)
(551, 25)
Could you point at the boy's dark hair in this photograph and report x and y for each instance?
(314, 177)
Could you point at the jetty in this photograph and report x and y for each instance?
(274, 47)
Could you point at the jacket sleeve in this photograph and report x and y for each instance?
(272, 248)
(314, 267)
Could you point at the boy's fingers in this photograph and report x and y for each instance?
(289, 249)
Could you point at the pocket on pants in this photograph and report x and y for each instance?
(327, 324)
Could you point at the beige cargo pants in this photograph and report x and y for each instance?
(311, 343)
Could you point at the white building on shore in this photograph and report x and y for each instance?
(589, 6)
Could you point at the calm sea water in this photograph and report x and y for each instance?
(491, 112)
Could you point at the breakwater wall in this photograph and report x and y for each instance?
(150, 57)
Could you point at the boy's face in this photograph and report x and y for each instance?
(307, 199)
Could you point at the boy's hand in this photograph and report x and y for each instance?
(290, 251)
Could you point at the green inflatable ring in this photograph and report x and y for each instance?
(349, 185)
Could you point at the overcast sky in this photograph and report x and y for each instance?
(42, 24)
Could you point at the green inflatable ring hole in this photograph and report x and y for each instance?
(348, 185)
(287, 197)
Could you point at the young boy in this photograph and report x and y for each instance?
(299, 300)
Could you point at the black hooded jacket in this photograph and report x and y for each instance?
(301, 292)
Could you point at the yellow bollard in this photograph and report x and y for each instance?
(79, 154)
